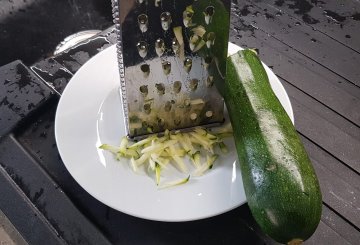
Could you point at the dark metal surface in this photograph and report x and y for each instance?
(314, 48)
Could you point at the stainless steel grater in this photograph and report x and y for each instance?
(170, 54)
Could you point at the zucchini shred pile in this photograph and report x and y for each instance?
(176, 149)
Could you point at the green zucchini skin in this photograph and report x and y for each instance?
(280, 183)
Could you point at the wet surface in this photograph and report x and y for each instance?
(30, 30)
(74, 58)
(48, 199)
(21, 92)
(324, 50)
(53, 74)
(334, 18)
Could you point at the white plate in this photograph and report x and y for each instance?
(89, 114)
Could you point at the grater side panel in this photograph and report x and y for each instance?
(160, 49)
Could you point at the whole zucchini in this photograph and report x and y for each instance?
(280, 183)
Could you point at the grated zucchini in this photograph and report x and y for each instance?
(157, 152)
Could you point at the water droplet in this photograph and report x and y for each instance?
(268, 16)
(157, 3)
(43, 135)
(334, 16)
(356, 16)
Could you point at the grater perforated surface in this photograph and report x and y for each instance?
(171, 54)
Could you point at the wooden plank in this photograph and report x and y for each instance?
(325, 235)
(21, 94)
(310, 77)
(53, 74)
(46, 196)
(337, 168)
(339, 184)
(340, 226)
(339, 20)
(326, 128)
(338, 194)
(315, 45)
(23, 215)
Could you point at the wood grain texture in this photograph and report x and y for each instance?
(317, 81)
(336, 19)
(315, 45)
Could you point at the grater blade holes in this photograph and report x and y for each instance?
(166, 20)
(142, 48)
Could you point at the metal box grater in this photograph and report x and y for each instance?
(170, 54)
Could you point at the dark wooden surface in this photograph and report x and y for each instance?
(314, 48)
